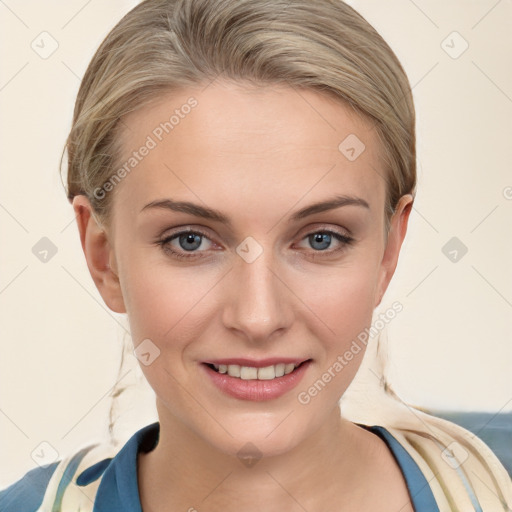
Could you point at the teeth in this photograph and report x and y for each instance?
(280, 369)
(252, 373)
(234, 370)
(248, 372)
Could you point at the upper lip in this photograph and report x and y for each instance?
(257, 363)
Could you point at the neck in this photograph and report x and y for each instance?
(185, 472)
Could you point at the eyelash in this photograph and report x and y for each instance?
(344, 239)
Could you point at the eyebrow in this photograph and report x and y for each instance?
(215, 215)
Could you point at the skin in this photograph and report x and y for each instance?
(258, 155)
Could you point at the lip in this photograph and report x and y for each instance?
(253, 389)
(261, 363)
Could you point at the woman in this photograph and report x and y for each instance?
(242, 173)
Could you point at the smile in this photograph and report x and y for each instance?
(256, 383)
(253, 373)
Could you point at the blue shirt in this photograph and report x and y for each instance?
(118, 489)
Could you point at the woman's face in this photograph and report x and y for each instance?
(264, 276)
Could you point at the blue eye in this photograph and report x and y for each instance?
(324, 240)
(190, 241)
(190, 238)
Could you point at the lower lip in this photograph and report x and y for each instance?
(256, 390)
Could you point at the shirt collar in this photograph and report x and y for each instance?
(119, 490)
(419, 489)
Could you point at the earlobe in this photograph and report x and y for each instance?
(396, 235)
(99, 254)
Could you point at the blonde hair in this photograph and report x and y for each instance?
(164, 45)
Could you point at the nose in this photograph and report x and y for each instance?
(258, 301)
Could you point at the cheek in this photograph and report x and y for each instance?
(163, 302)
(342, 298)
(161, 299)
(343, 304)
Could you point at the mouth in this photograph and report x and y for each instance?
(246, 379)
(257, 371)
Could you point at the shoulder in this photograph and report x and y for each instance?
(102, 472)
(458, 465)
(44, 487)
(460, 469)
(26, 494)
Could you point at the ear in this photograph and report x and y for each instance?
(99, 254)
(396, 235)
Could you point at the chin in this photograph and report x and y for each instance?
(264, 433)
(254, 444)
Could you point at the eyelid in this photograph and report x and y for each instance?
(173, 235)
(169, 233)
(344, 240)
(341, 230)
(165, 240)
(318, 227)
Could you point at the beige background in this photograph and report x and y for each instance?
(450, 348)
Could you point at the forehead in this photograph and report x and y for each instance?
(238, 145)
